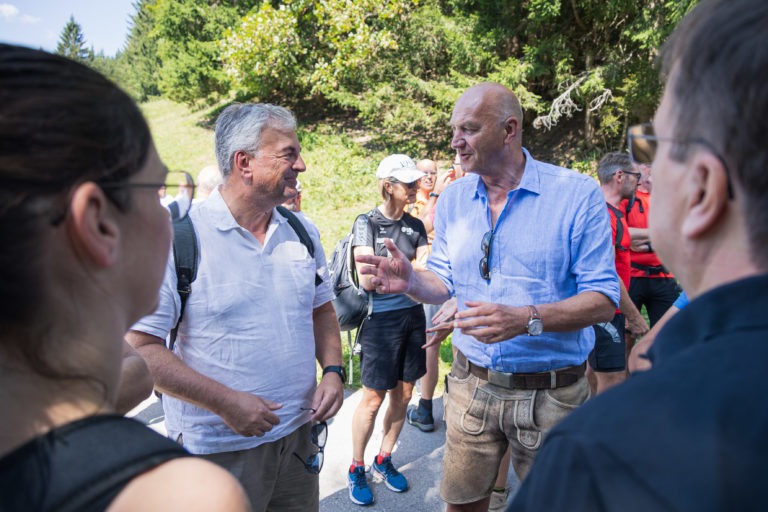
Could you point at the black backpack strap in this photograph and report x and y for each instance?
(619, 227)
(185, 257)
(93, 459)
(301, 232)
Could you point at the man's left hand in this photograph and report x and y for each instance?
(329, 396)
(491, 323)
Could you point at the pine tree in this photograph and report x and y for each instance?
(72, 42)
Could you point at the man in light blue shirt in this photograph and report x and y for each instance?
(526, 247)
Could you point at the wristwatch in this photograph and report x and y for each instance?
(432, 194)
(336, 369)
(534, 327)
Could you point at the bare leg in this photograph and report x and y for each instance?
(395, 415)
(606, 380)
(476, 506)
(429, 380)
(363, 420)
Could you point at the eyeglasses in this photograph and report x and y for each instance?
(485, 263)
(643, 144)
(175, 194)
(318, 435)
(632, 173)
(413, 184)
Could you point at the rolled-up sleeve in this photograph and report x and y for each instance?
(592, 252)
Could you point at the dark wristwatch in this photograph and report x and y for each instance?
(535, 326)
(432, 194)
(336, 369)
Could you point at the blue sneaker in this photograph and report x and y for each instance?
(359, 492)
(387, 472)
(420, 418)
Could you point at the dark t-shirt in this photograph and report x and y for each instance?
(408, 234)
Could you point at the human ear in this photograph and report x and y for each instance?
(93, 227)
(511, 129)
(706, 194)
(241, 163)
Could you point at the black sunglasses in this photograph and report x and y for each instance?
(632, 173)
(319, 435)
(485, 262)
(643, 144)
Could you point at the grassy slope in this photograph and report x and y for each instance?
(338, 185)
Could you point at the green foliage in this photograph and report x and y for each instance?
(187, 34)
(140, 55)
(72, 42)
(310, 46)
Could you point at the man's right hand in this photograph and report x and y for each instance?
(443, 181)
(249, 415)
(391, 275)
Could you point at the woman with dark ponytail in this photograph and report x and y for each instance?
(83, 247)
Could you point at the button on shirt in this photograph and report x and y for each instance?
(247, 323)
(552, 241)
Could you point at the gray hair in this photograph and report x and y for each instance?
(610, 164)
(239, 127)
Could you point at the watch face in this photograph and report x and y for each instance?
(535, 327)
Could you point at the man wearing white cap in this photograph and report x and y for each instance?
(392, 358)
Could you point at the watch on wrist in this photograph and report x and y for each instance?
(432, 194)
(535, 326)
(336, 369)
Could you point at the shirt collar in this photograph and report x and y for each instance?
(730, 308)
(216, 209)
(529, 183)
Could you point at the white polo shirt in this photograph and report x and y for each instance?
(247, 323)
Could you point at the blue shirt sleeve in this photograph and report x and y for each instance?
(681, 301)
(592, 252)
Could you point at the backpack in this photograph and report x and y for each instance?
(619, 228)
(353, 304)
(186, 258)
(83, 465)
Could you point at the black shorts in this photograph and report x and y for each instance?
(608, 354)
(391, 348)
(655, 293)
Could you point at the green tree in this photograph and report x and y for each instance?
(140, 60)
(72, 42)
(187, 34)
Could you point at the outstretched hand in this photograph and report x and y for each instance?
(391, 275)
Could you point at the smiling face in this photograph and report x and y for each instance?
(429, 168)
(276, 166)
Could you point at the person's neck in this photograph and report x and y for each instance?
(33, 405)
(612, 196)
(724, 256)
(508, 178)
(392, 209)
(249, 213)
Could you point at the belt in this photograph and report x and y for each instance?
(650, 271)
(542, 380)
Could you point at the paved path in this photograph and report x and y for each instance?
(417, 455)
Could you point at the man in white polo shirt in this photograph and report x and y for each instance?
(240, 386)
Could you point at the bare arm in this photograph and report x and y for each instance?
(420, 261)
(396, 275)
(330, 392)
(245, 413)
(492, 323)
(637, 325)
(213, 489)
(135, 381)
(637, 361)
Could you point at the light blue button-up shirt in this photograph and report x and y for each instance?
(551, 241)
